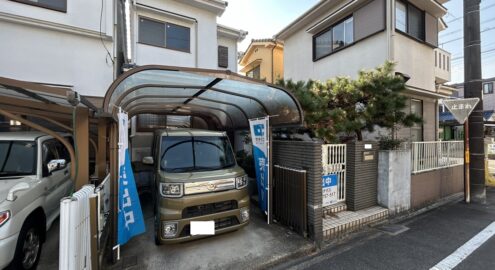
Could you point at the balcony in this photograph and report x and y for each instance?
(442, 66)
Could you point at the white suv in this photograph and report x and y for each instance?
(34, 176)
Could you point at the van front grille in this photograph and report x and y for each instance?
(207, 209)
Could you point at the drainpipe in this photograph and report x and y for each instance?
(196, 42)
(389, 16)
(273, 49)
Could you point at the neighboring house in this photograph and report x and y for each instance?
(61, 42)
(80, 44)
(449, 126)
(339, 38)
(183, 33)
(263, 60)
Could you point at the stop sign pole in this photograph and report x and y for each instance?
(461, 109)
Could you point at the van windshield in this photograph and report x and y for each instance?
(17, 158)
(200, 153)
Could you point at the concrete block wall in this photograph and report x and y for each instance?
(362, 175)
(307, 156)
(428, 187)
(394, 180)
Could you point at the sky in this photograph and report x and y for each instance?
(451, 39)
(262, 18)
(265, 18)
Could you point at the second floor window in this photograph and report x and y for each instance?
(336, 37)
(410, 20)
(162, 34)
(223, 56)
(58, 5)
(488, 88)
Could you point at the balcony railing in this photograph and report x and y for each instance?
(428, 156)
(442, 65)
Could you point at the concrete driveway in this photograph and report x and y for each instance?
(257, 245)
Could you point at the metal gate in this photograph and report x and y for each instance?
(289, 198)
(333, 160)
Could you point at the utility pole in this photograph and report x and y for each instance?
(472, 89)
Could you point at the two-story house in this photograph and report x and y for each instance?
(60, 42)
(182, 33)
(339, 38)
(80, 44)
(263, 60)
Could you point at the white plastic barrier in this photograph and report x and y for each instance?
(75, 233)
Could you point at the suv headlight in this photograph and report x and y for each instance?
(241, 181)
(4, 217)
(173, 190)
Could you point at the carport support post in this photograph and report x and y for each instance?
(101, 155)
(114, 189)
(81, 132)
(270, 175)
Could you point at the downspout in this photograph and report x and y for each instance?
(273, 49)
(388, 22)
(196, 42)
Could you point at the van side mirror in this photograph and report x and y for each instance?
(148, 160)
(56, 164)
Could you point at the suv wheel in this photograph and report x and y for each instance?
(28, 249)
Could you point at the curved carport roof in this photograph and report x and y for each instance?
(221, 96)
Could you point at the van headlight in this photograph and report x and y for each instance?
(173, 190)
(241, 181)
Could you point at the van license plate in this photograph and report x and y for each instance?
(203, 227)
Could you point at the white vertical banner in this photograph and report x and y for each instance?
(260, 136)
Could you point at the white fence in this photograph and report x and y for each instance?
(333, 160)
(75, 230)
(428, 156)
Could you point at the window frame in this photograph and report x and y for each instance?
(218, 56)
(256, 67)
(41, 5)
(330, 29)
(417, 126)
(165, 23)
(423, 20)
(490, 88)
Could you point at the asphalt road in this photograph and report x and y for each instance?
(429, 239)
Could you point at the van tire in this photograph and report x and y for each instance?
(32, 236)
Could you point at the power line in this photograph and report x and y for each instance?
(456, 39)
(483, 52)
(459, 30)
(458, 18)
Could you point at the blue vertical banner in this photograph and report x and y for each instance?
(130, 215)
(261, 141)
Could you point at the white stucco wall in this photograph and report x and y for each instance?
(47, 46)
(232, 45)
(299, 65)
(204, 55)
(416, 60)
